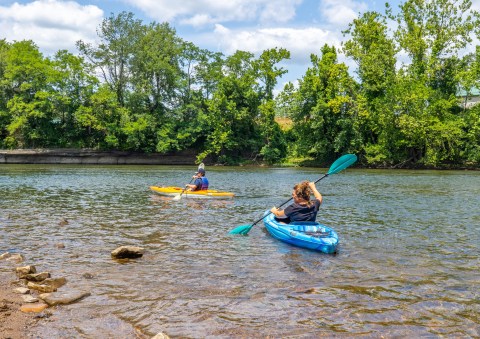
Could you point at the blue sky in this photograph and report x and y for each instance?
(302, 27)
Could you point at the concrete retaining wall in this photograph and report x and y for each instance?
(85, 156)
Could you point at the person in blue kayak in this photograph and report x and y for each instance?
(200, 183)
(302, 208)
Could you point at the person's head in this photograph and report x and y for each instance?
(201, 172)
(301, 192)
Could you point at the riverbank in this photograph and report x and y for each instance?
(72, 156)
(23, 312)
(13, 322)
(93, 157)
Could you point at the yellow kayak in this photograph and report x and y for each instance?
(175, 191)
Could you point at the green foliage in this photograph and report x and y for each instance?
(324, 111)
(275, 148)
(159, 93)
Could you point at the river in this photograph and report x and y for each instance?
(407, 264)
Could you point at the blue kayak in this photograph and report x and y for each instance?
(307, 234)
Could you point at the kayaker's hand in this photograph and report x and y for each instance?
(311, 184)
(274, 210)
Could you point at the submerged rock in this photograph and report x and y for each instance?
(65, 298)
(15, 257)
(47, 285)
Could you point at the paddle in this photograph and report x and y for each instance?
(340, 164)
(178, 197)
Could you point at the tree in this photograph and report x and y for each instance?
(4, 115)
(25, 80)
(72, 85)
(268, 72)
(230, 118)
(432, 34)
(119, 35)
(324, 111)
(374, 52)
(102, 120)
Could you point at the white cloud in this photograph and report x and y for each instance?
(300, 42)
(51, 24)
(341, 13)
(475, 5)
(196, 12)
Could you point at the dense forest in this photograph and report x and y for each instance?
(143, 88)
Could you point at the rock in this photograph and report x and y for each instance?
(63, 222)
(161, 336)
(39, 307)
(60, 245)
(41, 287)
(65, 298)
(21, 290)
(48, 285)
(29, 298)
(5, 255)
(17, 258)
(55, 282)
(129, 252)
(87, 275)
(24, 270)
(37, 276)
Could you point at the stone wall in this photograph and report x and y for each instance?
(87, 156)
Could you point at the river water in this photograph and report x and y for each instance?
(407, 264)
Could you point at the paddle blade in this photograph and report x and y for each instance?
(341, 163)
(243, 229)
(177, 197)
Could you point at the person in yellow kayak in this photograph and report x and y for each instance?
(302, 208)
(200, 183)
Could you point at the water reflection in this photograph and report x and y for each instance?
(407, 263)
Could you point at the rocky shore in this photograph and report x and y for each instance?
(93, 157)
(31, 301)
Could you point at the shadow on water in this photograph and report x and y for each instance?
(406, 264)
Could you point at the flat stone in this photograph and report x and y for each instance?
(64, 298)
(39, 307)
(29, 298)
(161, 336)
(21, 290)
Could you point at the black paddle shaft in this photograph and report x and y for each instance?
(269, 212)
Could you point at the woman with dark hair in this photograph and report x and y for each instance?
(302, 208)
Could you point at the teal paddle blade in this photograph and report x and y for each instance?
(341, 163)
(243, 229)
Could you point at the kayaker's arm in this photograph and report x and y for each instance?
(316, 193)
(277, 212)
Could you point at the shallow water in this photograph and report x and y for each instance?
(407, 264)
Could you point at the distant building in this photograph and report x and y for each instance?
(467, 100)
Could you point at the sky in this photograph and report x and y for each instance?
(300, 26)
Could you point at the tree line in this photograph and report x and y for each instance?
(143, 88)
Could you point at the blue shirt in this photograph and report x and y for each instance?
(201, 184)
